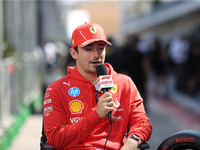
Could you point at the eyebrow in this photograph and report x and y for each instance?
(100, 44)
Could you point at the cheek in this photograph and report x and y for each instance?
(103, 54)
(84, 58)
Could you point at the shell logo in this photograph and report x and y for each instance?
(76, 106)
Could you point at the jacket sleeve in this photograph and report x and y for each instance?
(57, 130)
(139, 123)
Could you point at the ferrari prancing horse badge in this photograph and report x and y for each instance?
(93, 30)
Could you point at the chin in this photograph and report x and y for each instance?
(92, 70)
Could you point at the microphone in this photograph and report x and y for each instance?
(104, 82)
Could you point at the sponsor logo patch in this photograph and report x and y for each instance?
(76, 107)
(73, 42)
(75, 119)
(49, 89)
(116, 103)
(93, 30)
(104, 81)
(47, 110)
(66, 83)
(46, 95)
(117, 118)
(48, 101)
(114, 89)
(183, 140)
(74, 91)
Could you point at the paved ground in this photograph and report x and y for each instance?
(167, 117)
(28, 137)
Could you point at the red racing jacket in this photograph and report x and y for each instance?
(70, 119)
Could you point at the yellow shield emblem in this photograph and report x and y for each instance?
(76, 106)
(114, 89)
(93, 30)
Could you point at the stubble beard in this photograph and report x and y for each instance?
(92, 70)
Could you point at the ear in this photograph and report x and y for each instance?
(73, 53)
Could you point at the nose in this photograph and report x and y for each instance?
(96, 53)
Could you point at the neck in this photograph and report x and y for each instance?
(92, 77)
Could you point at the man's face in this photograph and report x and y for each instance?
(90, 56)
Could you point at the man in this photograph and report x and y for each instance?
(73, 119)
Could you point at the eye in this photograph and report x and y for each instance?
(88, 48)
(101, 48)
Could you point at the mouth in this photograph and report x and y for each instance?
(96, 62)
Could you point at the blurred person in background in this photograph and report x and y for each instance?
(63, 55)
(178, 52)
(160, 68)
(53, 62)
(136, 64)
(193, 67)
(50, 53)
(113, 56)
(75, 113)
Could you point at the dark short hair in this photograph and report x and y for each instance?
(76, 48)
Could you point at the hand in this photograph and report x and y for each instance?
(130, 144)
(105, 105)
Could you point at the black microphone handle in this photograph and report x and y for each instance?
(105, 90)
(110, 117)
(109, 114)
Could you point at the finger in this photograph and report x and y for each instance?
(108, 99)
(109, 109)
(110, 104)
(106, 94)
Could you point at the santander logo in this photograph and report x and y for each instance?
(116, 103)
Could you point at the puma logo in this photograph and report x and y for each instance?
(66, 83)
